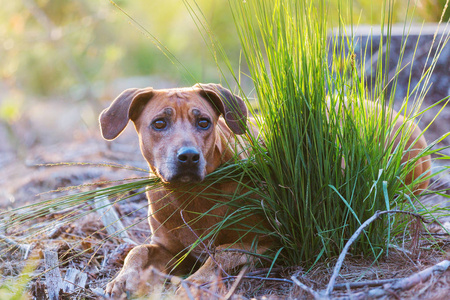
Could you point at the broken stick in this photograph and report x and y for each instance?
(111, 220)
(52, 275)
(354, 237)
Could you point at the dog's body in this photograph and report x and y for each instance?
(184, 135)
(412, 147)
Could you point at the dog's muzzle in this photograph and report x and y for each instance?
(188, 165)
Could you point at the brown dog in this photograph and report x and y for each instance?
(184, 135)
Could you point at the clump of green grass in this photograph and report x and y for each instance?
(311, 201)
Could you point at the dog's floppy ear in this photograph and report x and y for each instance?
(126, 106)
(231, 106)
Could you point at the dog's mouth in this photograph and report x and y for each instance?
(186, 177)
(175, 174)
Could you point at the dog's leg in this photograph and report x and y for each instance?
(226, 258)
(137, 261)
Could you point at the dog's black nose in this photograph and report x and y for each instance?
(188, 156)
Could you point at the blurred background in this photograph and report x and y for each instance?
(62, 62)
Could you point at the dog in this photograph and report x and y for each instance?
(185, 134)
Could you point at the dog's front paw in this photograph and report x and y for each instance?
(124, 284)
(135, 282)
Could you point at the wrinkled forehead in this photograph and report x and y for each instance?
(182, 101)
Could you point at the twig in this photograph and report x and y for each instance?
(188, 291)
(247, 277)
(236, 283)
(402, 284)
(264, 271)
(403, 250)
(354, 237)
(304, 287)
(361, 284)
(267, 279)
(252, 276)
(204, 245)
(424, 275)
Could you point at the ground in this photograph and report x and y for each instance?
(81, 246)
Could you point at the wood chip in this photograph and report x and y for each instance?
(38, 290)
(99, 292)
(117, 256)
(111, 220)
(52, 275)
(74, 279)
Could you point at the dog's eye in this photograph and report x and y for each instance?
(203, 123)
(159, 124)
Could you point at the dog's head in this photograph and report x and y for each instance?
(177, 127)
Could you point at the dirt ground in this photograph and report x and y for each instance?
(49, 133)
